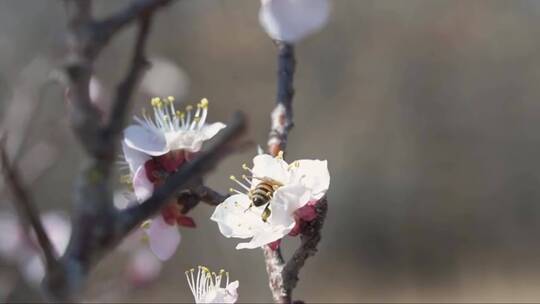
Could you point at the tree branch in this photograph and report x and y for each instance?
(282, 115)
(26, 209)
(108, 27)
(283, 275)
(310, 237)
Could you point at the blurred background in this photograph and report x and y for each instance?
(427, 111)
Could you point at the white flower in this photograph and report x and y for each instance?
(292, 20)
(206, 286)
(294, 185)
(170, 129)
(17, 248)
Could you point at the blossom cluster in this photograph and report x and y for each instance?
(274, 199)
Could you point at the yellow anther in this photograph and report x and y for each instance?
(189, 108)
(244, 176)
(180, 114)
(232, 177)
(192, 270)
(146, 224)
(231, 190)
(204, 103)
(245, 166)
(205, 269)
(280, 155)
(170, 98)
(221, 270)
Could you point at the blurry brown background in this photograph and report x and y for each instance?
(427, 111)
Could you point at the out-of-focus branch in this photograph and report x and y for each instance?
(95, 229)
(108, 27)
(283, 275)
(25, 207)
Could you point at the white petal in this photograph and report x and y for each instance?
(291, 197)
(313, 174)
(280, 223)
(143, 266)
(11, 236)
(292, 20)
(226, 295)
(145, 140)
(185, 140)
(58, 229)
(165, 78)
(163, 238)
(142, 187)
(265, 165)
(210, 130)
(232, 292)
(33, 270)
(234, 219)
(133, 157)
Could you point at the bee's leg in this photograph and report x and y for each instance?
(250, 205)
(266, 213)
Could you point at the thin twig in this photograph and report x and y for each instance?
(25, 207)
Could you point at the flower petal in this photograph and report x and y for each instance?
(265, 165)
(313, 174)
(142, 187)
(145, 140)
(291, 198)
(163, 238)
(134, 158)
(59, 230)
(143, 267)
(292, 20)
(231, 292)
(279, 225)
(210, 130)
(235, 219)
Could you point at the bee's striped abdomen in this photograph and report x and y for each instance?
(262, 194)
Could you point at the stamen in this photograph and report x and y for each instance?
(245, 167)
(233, 178)
(188, 111)
(235, 191)
(244, 177)
(146, 224)
(279, 155)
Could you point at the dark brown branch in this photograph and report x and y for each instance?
(25, 207)
(95, 219)
(281, 124)
(283, 275)
(126, 88)
(310, 237)
(282, 115)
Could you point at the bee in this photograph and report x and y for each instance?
(262, 194)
